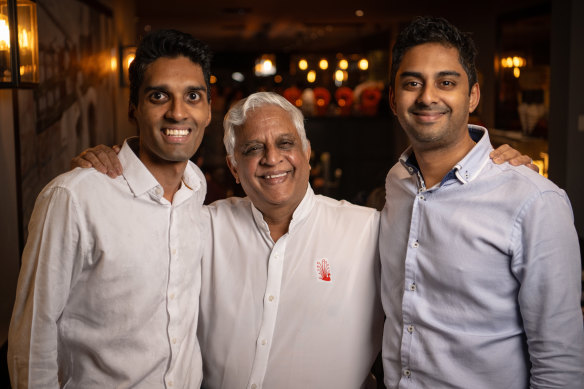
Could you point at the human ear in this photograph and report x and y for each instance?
(232, 168)
(392, 100)
(475, 97)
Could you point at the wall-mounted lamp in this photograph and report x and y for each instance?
(127, 55)
(19, 50)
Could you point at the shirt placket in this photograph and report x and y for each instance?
(270, 311)
(411, 289)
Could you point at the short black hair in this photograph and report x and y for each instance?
(167, 43)
(431, 29)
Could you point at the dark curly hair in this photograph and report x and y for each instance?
(430, 29)
(167, 43)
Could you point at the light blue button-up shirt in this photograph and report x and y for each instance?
(481, 278)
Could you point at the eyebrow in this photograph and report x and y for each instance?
(443, 73)
(165, 87)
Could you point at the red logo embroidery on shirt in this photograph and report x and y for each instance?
(323, 270)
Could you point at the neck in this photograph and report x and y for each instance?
(278, 226)
(278, 220)
(168, 174)
(435, 163)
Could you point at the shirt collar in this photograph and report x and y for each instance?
(300, 213)
(468, 168)
(139, 178)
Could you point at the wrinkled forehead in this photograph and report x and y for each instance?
(266, 122)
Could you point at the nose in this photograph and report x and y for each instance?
(176, 110)
(428, 95)
(272, 156)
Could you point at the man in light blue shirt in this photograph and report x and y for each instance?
(481, 271)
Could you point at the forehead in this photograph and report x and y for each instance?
(431, 58)
(262, 123)
(177, 70)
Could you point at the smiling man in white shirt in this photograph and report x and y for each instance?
(108, 290)
(290, 279)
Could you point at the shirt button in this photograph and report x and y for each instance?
(158, 191)
(172, 296)
(173, 340)
(271, 298)
(410, 328)
(254, 386)
(264, 342)
(421, 197)
(415, 244)
(276, 256)
(170, 383)
(407, 373)
(173, 251)
(413, 287)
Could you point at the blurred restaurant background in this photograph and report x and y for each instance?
(64, 88)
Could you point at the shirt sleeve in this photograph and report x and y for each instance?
(49, 266)
(546, 261)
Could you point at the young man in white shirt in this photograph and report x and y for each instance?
(108, 290)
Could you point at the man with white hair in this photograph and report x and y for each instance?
(290, 291)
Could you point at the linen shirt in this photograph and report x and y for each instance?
(480, 278)
(303, 312)
(109, 286)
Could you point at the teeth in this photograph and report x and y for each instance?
(276, 175)
(175, 132)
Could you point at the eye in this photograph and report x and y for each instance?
(158, 96)
(286, 143)
(409, 85)
(193, 96)
(448, 84)
(253, 149)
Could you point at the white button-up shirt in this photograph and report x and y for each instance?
(303, 312)
(108, 290)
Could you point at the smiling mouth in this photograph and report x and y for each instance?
(273, 176)
(428, 116)
(176, 132)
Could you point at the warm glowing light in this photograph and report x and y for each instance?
(320, 102)
(298, 103)
(516, 72)
(213, 79)
(343, 64)
(311, 76)
(513, 62)
(267, 66)
(303, 64)
(113, 63)
(4, 35)
(339, 76)
(359, 13)
(517, 62)
(342, 102)
(129, 60)
(363, 64)
(277, 78)
(323, 64)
